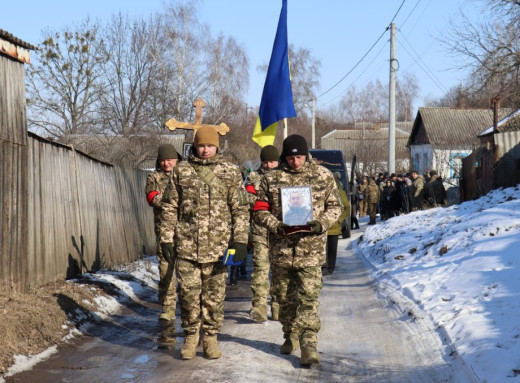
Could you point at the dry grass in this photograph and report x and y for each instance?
(36, 320)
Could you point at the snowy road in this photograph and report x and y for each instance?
(363, 339)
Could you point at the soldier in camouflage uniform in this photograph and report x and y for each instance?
(157, 184)
(296, 259)
(372, 195)
(211, 209)
(260, 285)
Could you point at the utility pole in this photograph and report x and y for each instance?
(391, 116)
(313, 126)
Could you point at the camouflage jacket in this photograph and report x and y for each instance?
(336, 228)
(258, 233)
(372, 192)
(156, 183)
(301, 249)
(208, 218)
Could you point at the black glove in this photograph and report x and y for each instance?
(167, 252)
(240, 251)
(315, 227)
(280, 228)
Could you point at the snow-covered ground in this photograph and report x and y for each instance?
(458, 267)
(461, 267)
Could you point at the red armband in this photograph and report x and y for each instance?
(251, 189)
(261, 205)
(151, 196)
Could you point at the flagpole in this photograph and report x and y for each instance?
(284, 128)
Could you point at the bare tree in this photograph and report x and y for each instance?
(406, 90)
(180, 54)
(371, 102)
(227, 80)
(305, 77)
(491, 49)
(64, 85)
(128, 74)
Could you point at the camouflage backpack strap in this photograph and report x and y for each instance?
(209, 178)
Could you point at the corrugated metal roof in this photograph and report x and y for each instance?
(15, 40)
(511, 123)
(14, 47)
(451, 127)
(355, 140)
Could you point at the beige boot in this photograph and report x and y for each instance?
(167, 313)
(209, 344)
(291, 344)
(258, 313)
(189, 348)
(309, 356)
(275, 310)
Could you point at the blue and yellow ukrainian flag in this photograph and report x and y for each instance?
(277, 99)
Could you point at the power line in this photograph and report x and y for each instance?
(420, 62)
(365, 55)
(358, 77)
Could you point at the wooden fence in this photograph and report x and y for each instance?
(83, 215)
(13, 181)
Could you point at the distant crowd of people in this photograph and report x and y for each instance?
(393, 194)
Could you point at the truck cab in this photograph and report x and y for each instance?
(333, 160)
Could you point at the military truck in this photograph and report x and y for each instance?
(333, 160)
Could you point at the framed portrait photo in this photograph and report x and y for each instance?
(296, 205)
(186, 149)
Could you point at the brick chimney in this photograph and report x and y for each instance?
(495, 104)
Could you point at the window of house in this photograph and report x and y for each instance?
(456, 164)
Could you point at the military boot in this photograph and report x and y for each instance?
(291, 344)
(167, 313)
(309, 356)
(258, 313)
(189, 348)
(275, 310)
(210, 347)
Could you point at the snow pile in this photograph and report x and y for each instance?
(459, 266)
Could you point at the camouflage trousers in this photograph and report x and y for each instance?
(372, 210)
(298, 292)
(363, 207)
(260, 285)
(202, 289)
(166, 289)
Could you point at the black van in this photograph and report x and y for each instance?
(333, 160)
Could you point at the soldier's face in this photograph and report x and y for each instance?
(269, 164)
(168, 164)
(296, 200)
(206, 151)
(295, 162)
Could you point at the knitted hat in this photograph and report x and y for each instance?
(207, 135)
(166, 152)
(294, 145)
(269, 153)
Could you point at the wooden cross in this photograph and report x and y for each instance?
(173, 124)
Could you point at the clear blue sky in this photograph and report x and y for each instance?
(337, 32)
